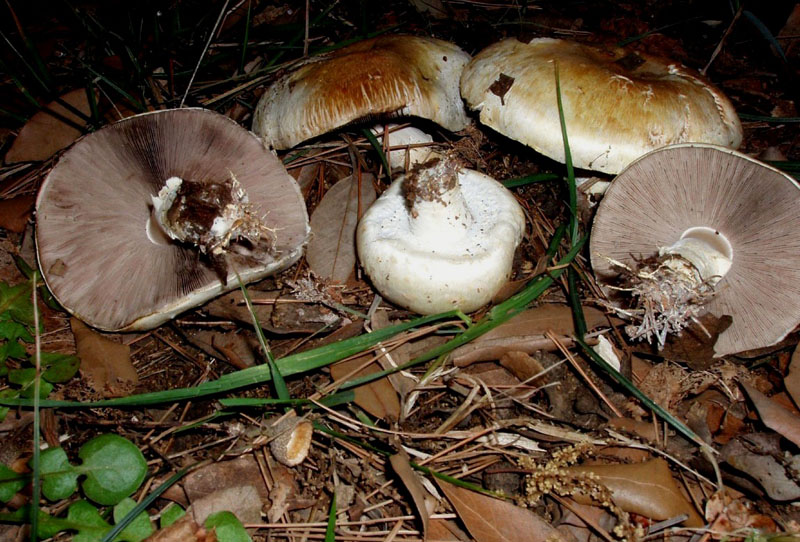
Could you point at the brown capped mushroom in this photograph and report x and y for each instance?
(618, 104)
(717, 231)
(157, 213)
(393, 75)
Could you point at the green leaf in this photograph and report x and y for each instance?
(59, 479)
(114, 468)
(139, 528)
(8, 393)
(59, 367)
(11, 331)
(24, 378)
(11, 349)
(227, 527)
(10, 483)
(171, 514)
(84, 518)
(16, 302)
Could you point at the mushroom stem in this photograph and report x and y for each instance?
(701, 252)
(439, 212)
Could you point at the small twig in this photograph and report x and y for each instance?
(722, 39)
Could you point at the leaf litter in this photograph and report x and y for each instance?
(520, 401)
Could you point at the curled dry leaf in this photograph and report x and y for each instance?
(763, 468)
(493, 520)
(105, 362)
(525, 332)
(776, 417)
(184, 529)
(243, 470)
(44, 134)
(647, 489)
(331, 253)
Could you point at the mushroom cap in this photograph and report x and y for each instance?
(94, 211)
(618, 105)
(461, 274)
(755, 206)
(396, 75)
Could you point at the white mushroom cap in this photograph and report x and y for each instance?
(617, 106)
(453, 248)
(393, 75)
(101, 250)
(705, 192)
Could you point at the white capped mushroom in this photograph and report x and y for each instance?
(440, 238)
(155, 214)
(618, 104)
(704, 228)
(393, 75)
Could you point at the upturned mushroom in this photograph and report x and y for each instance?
(157, 213)
(618, 104)
(700, 228)
(440, 238)
(395, 76)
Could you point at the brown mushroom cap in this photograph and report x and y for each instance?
(94, 210)
(394, 75)
(618, 105)
(754, 206)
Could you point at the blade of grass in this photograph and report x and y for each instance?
(142, 506)
(379, 149)
(36, 489)
(330, 530)
(530, 179)
(762, 28)
(572, 279)
(290, 365)
(277, 379)
(761, 118)
(246, 37)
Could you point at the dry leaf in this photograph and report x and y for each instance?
(244, 501)
(525, 333)
(238, 349)
(331, 253)
(276, 318)
(776, 417)
(792, 379)
(492, 520)
(411, 481)
(379, 397)
(445, 530)
(763, 468)
(44, 135)
(183, 530)
(106, 363)
(693, 346)
(243, 470)
(647, 489)
(524, 367)
(15, 212)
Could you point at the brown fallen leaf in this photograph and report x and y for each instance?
(778, 418)
(792, 379)
(105, 362)
(379, 397)
(239, 349)
(184, 529)
(445, 530)
(525, 333)
(524, 367)
(15, 212)
(647, 489)
(492, 520)
(331, 253)
(410, 478)
(44, 134)
(763, 468)
(243, 470)
(244, 501)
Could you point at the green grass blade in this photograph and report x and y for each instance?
(379, 149)
(530, 179)
(761, 118)
(330, 530)
(281, 390)
(246, 37)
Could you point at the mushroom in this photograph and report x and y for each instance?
(404, 146)
(158, 213)
(393, 75)
(291, 439)
(703, 228)
(440, 238)
(618, 104)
